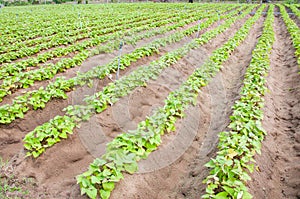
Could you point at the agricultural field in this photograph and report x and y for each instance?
(150, 100)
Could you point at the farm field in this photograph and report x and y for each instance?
(150, 100)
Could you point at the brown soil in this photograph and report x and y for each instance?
(278, 171)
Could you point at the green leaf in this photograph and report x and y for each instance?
(95, 180)
(108, 186)
(210, 164)
(63, 135)
(91, 192)
(229, 190)
(85, 182)
(106, 172)
(247, 195)
(222, 195)
(131, 168)
(104, 194)
(35, 154)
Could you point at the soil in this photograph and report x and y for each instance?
(176, 169)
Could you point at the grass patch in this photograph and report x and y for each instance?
(10, 186)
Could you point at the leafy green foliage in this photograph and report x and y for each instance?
(294, 9)
(99, 36)
(37, 99)
(293, 28)
(229, 169)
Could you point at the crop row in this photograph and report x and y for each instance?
(99, 24)
(45, 22)
(27, 79)
(99, 30)
(123, 153)
(39, 98)
(47, 16)
(64, 31)
(43, 25)
(53, 26)
(294, 9)
(51, 132)
(110, 93)
(34, 19)
(229, 169)
(14, 68)
(293, 29)
(69, 34)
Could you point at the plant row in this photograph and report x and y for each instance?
(293, 29)
(130, 21)
(14, 68)
(123, 153)
(87, 29)
(294, 9)
(38, 98)
(66, 32)
(27, 79)
(104, 22)
(57, 21)
(33, 20)
(236, 148)
(48, 134)
(46, 26)
(44, 23)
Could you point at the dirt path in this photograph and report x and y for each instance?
(172, 165)
(278, 173)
